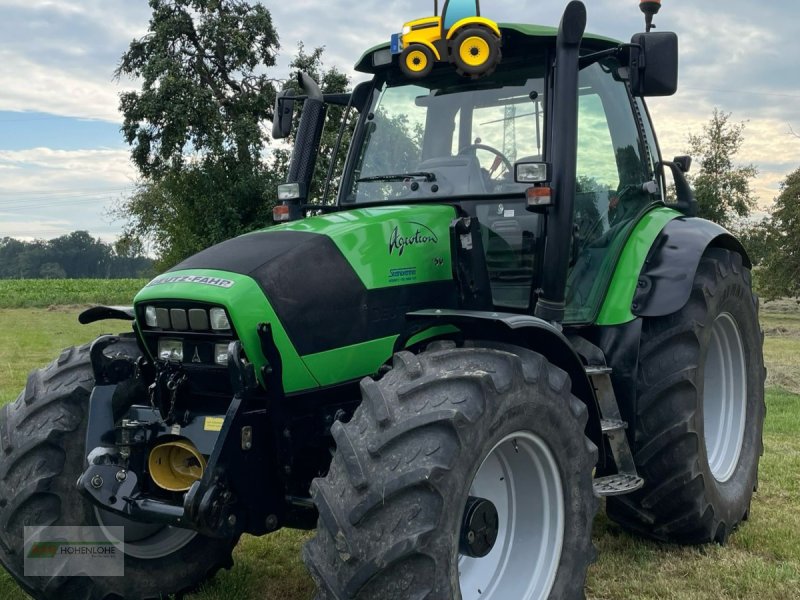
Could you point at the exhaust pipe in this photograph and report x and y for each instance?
(175, 465)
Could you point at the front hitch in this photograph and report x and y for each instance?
(113, 478)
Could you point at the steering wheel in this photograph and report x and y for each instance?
(506, 163)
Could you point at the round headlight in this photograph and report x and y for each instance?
(406, 29)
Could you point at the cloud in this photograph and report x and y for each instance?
(58, 57)
(46, 193)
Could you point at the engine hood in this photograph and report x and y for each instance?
(384, 246)
(335, 281)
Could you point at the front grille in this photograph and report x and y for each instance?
(200, 329)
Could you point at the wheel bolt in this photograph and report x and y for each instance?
(97, 482)
(121, 476)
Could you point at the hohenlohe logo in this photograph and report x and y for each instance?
(422, 234)
(51, 549)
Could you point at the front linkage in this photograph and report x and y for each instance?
(121, 434)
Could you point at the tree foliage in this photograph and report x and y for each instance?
(722, 188)
(204, 92)
(73, 256)
(774, 243)
(198, 128)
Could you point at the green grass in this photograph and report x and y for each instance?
(34, 293)
(762, 559)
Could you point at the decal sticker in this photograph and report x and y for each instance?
(213, 423)
(402, 274)
(401, 240)
(215, 281)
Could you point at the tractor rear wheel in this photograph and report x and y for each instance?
(699, 412)
(475, 51)
(42, 436)
(465, 473)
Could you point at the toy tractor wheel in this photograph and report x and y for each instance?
(42, 436)
(475, 51)
(700, 411)
(465, 473)
(416, 61)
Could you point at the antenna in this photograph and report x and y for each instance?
(649, 8)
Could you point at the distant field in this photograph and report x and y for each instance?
(762, 559)
(36, 293)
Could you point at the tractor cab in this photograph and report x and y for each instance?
(487, 144)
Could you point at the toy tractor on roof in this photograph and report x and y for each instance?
(441, 370)
(460, 36)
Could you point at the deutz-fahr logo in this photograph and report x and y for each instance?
(215, 281)
(400, 240)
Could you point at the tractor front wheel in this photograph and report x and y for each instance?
(699, 411)
(465, 473)
(416, 61)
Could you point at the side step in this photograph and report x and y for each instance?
(627, 479)
(617, 485)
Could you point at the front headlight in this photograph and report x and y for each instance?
(221, 354)
(406, 29)
(219, 320)
(170, 350)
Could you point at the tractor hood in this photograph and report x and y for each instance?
(329, 282)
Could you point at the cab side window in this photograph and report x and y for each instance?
(612, 186)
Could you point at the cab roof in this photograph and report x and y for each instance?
(534, 33)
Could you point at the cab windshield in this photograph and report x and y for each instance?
(448, 136)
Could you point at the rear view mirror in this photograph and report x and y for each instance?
(654, 64)
(282, 115)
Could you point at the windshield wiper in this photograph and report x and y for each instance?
(399, 177)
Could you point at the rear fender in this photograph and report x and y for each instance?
(666, 279)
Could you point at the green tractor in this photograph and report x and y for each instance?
(499, 320)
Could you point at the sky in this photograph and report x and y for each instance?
(64, 165)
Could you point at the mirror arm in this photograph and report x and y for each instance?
(687, 204)
(590, 59)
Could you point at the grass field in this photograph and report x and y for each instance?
(762, 559)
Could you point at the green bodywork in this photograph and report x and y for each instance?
(364, 237)
(616, 308)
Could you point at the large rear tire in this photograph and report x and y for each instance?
(700, 411)
(42, 437)
(441, 427)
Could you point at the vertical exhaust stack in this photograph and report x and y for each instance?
(563, 137)
(306, 147)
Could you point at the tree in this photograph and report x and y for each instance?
(721, 188)
(776, 242)
(203, 92)
(197, 126)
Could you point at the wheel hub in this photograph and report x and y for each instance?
(479, 528)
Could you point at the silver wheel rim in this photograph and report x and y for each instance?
(521, 478)
(147, 541)
(724, 397)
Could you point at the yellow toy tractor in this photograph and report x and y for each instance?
(460, 35)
